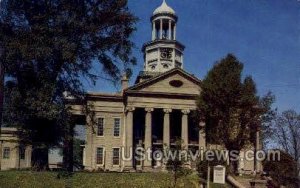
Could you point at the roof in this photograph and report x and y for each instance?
(163, 75)
(8, 130)
(164, 8)
(144, 75)
(163, 41)
(105, 96)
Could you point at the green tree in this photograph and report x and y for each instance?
(177, 164)
(202, 165)
(230, 106)
(286, 134)
(268, 118)
(283, 171)
(78, 153)
(47, 48)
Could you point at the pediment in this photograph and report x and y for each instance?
(175, 81)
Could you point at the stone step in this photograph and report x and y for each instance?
(246, 182)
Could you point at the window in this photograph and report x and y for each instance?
(117, 127)
(6, 153)
(22, 152)
(100, 130)
(99, 156)
(116, 156)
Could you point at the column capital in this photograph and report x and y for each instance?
(149, 109)
(129, 109)
(167, 110)
(202, 124)
(185, 111)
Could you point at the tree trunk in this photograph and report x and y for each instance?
(39, 158)
(68, 160)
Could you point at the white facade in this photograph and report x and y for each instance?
(13, 155)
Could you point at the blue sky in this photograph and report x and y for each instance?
(263, 34)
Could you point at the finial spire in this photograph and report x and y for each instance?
(164, 8)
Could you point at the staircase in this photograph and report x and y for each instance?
(245, 181)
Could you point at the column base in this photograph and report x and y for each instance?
(147, 169)
(128, 169)
(139, 169)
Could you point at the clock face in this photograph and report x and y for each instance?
(166, 53)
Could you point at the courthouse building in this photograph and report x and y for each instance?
(153, 113)
(13, 155)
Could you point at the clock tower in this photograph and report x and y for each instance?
(163, 52)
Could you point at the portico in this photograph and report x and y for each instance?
(159, 114)
(157, 132)
(152, 114)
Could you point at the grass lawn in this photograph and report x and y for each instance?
(28, 179)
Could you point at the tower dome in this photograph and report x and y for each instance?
(163, 52)
(164, 8)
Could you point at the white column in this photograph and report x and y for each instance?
(185, 129)
(202, 139)
(83, 157)
(257, 148)
(161, 29)
(166, 129)
(17, 153)
(166, 133)
(170, 30)
(148, 136)
(174, 32)
(129, 135)
(153, 31)
(29, 152)
(90, 157)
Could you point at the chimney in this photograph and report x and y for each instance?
(124, 82)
